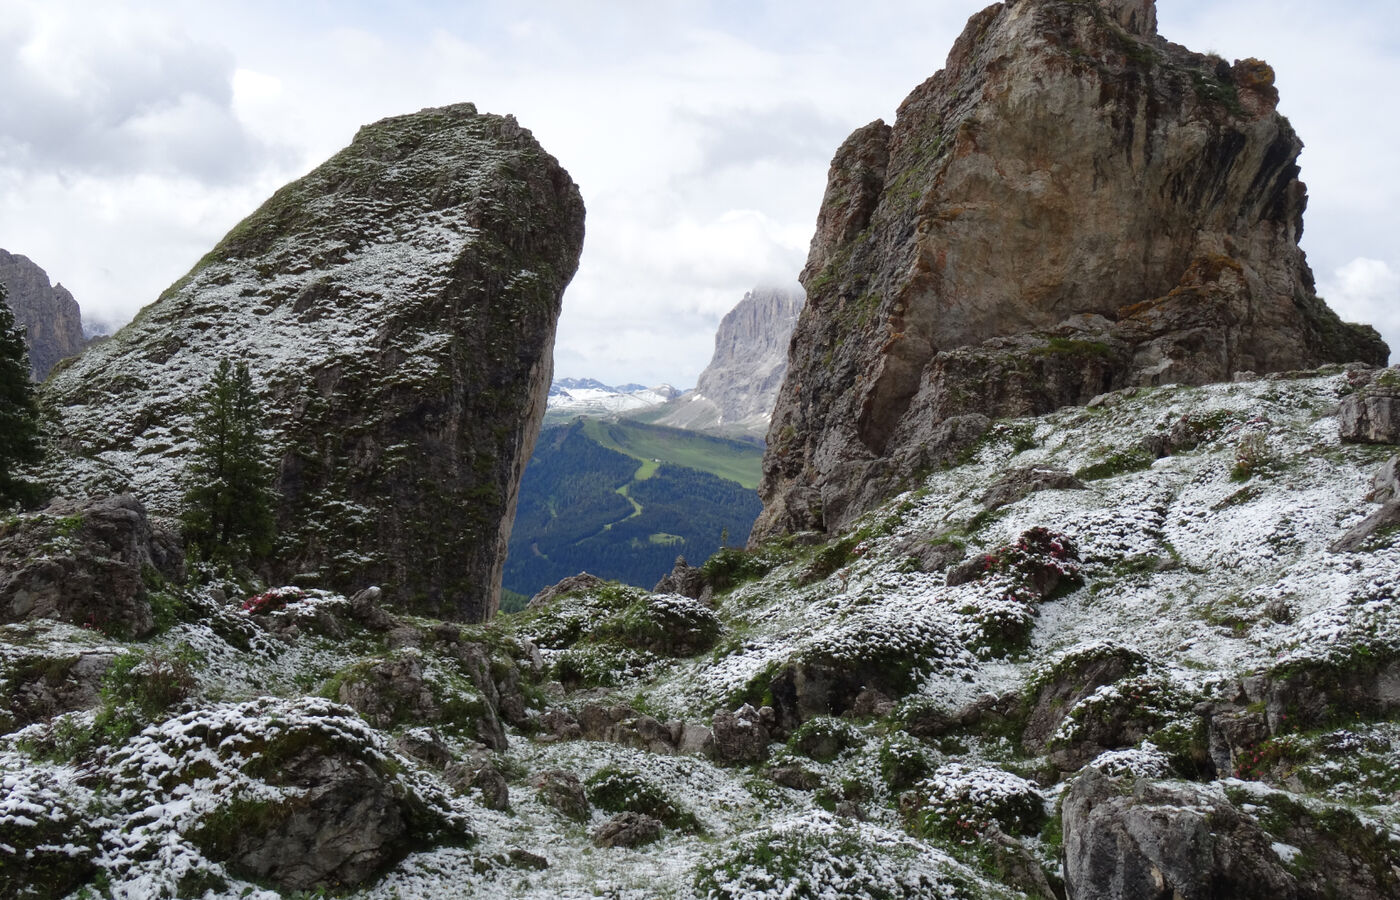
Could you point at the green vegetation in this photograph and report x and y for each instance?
(19, 414)
(228, 499)
(619, 790)
(1058, 346)
(1119, 462)
(586, 506)
(824, 738)
(737, 461)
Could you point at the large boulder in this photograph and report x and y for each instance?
(309, 796)
(1371, 414)
(1136, 838)
(91, 563)
(1071, 206)
(397, 307)
(1143, 840)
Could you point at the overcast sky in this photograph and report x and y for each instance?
(133, 135)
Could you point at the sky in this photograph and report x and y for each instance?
(133, 135)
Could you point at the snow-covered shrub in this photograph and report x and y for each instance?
(824, 738)
(619, 790)
(1145, 761)
(595, 665)
(959, 801)
(819, 856)
(904, 761)
(668, 624)
(628, 617)
(47, 843)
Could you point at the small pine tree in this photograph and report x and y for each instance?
(19, 412)
(228, 499)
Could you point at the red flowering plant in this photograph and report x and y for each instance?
(273, 600)
(1041, 561)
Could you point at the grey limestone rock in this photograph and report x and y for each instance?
(736, 391)
(41, 687)
(1371, 415)
(627, 829)
(1023, 482)
(580, 583)
(397, 308)
(1385, 486)
(52, 322)
(1375, 527)
(742, 736)
(686, 580)
(1072, 206)
(563, 791)
(1145, 840)
(88, 563)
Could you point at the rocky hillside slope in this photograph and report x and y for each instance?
(1072, 205)
(397, 307)
(737, 390)
(50, 317)
(1145, 648)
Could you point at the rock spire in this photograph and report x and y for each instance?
(1071, 205)
(397, 307)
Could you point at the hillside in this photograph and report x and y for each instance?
(1178, 646)
(622, 500)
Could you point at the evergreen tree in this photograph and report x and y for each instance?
(19, 412)
(228, 499)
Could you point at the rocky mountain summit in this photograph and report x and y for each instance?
(50, 317)
(397, 309)
(737, 390)
(1071, 206)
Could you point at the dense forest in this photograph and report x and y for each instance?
(586, 507)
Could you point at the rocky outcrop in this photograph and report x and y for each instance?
(50, 317)
(737, 390)
(1371, 414)
(397, 308)
(627, 829)
(1159, 841)
(1073, 205)
(91, 563)
(1139, 838)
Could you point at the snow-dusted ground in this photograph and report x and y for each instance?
(1180, 560)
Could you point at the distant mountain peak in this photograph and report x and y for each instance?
(52, 321)
(738, 388)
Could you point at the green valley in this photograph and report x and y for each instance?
(623, 499)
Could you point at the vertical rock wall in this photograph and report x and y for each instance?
(397, 307)
(52, 322)
(1072, 205)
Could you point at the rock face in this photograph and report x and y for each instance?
(737, 390)
(1164, 842)
(88, 563)
(1071, 206)
(52, 322)
(397, 307)
(1371, 415)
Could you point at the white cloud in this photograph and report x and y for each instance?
(1367, 290)
(133, 135)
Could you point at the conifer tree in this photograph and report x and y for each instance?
(228, 498)
(19, 412)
